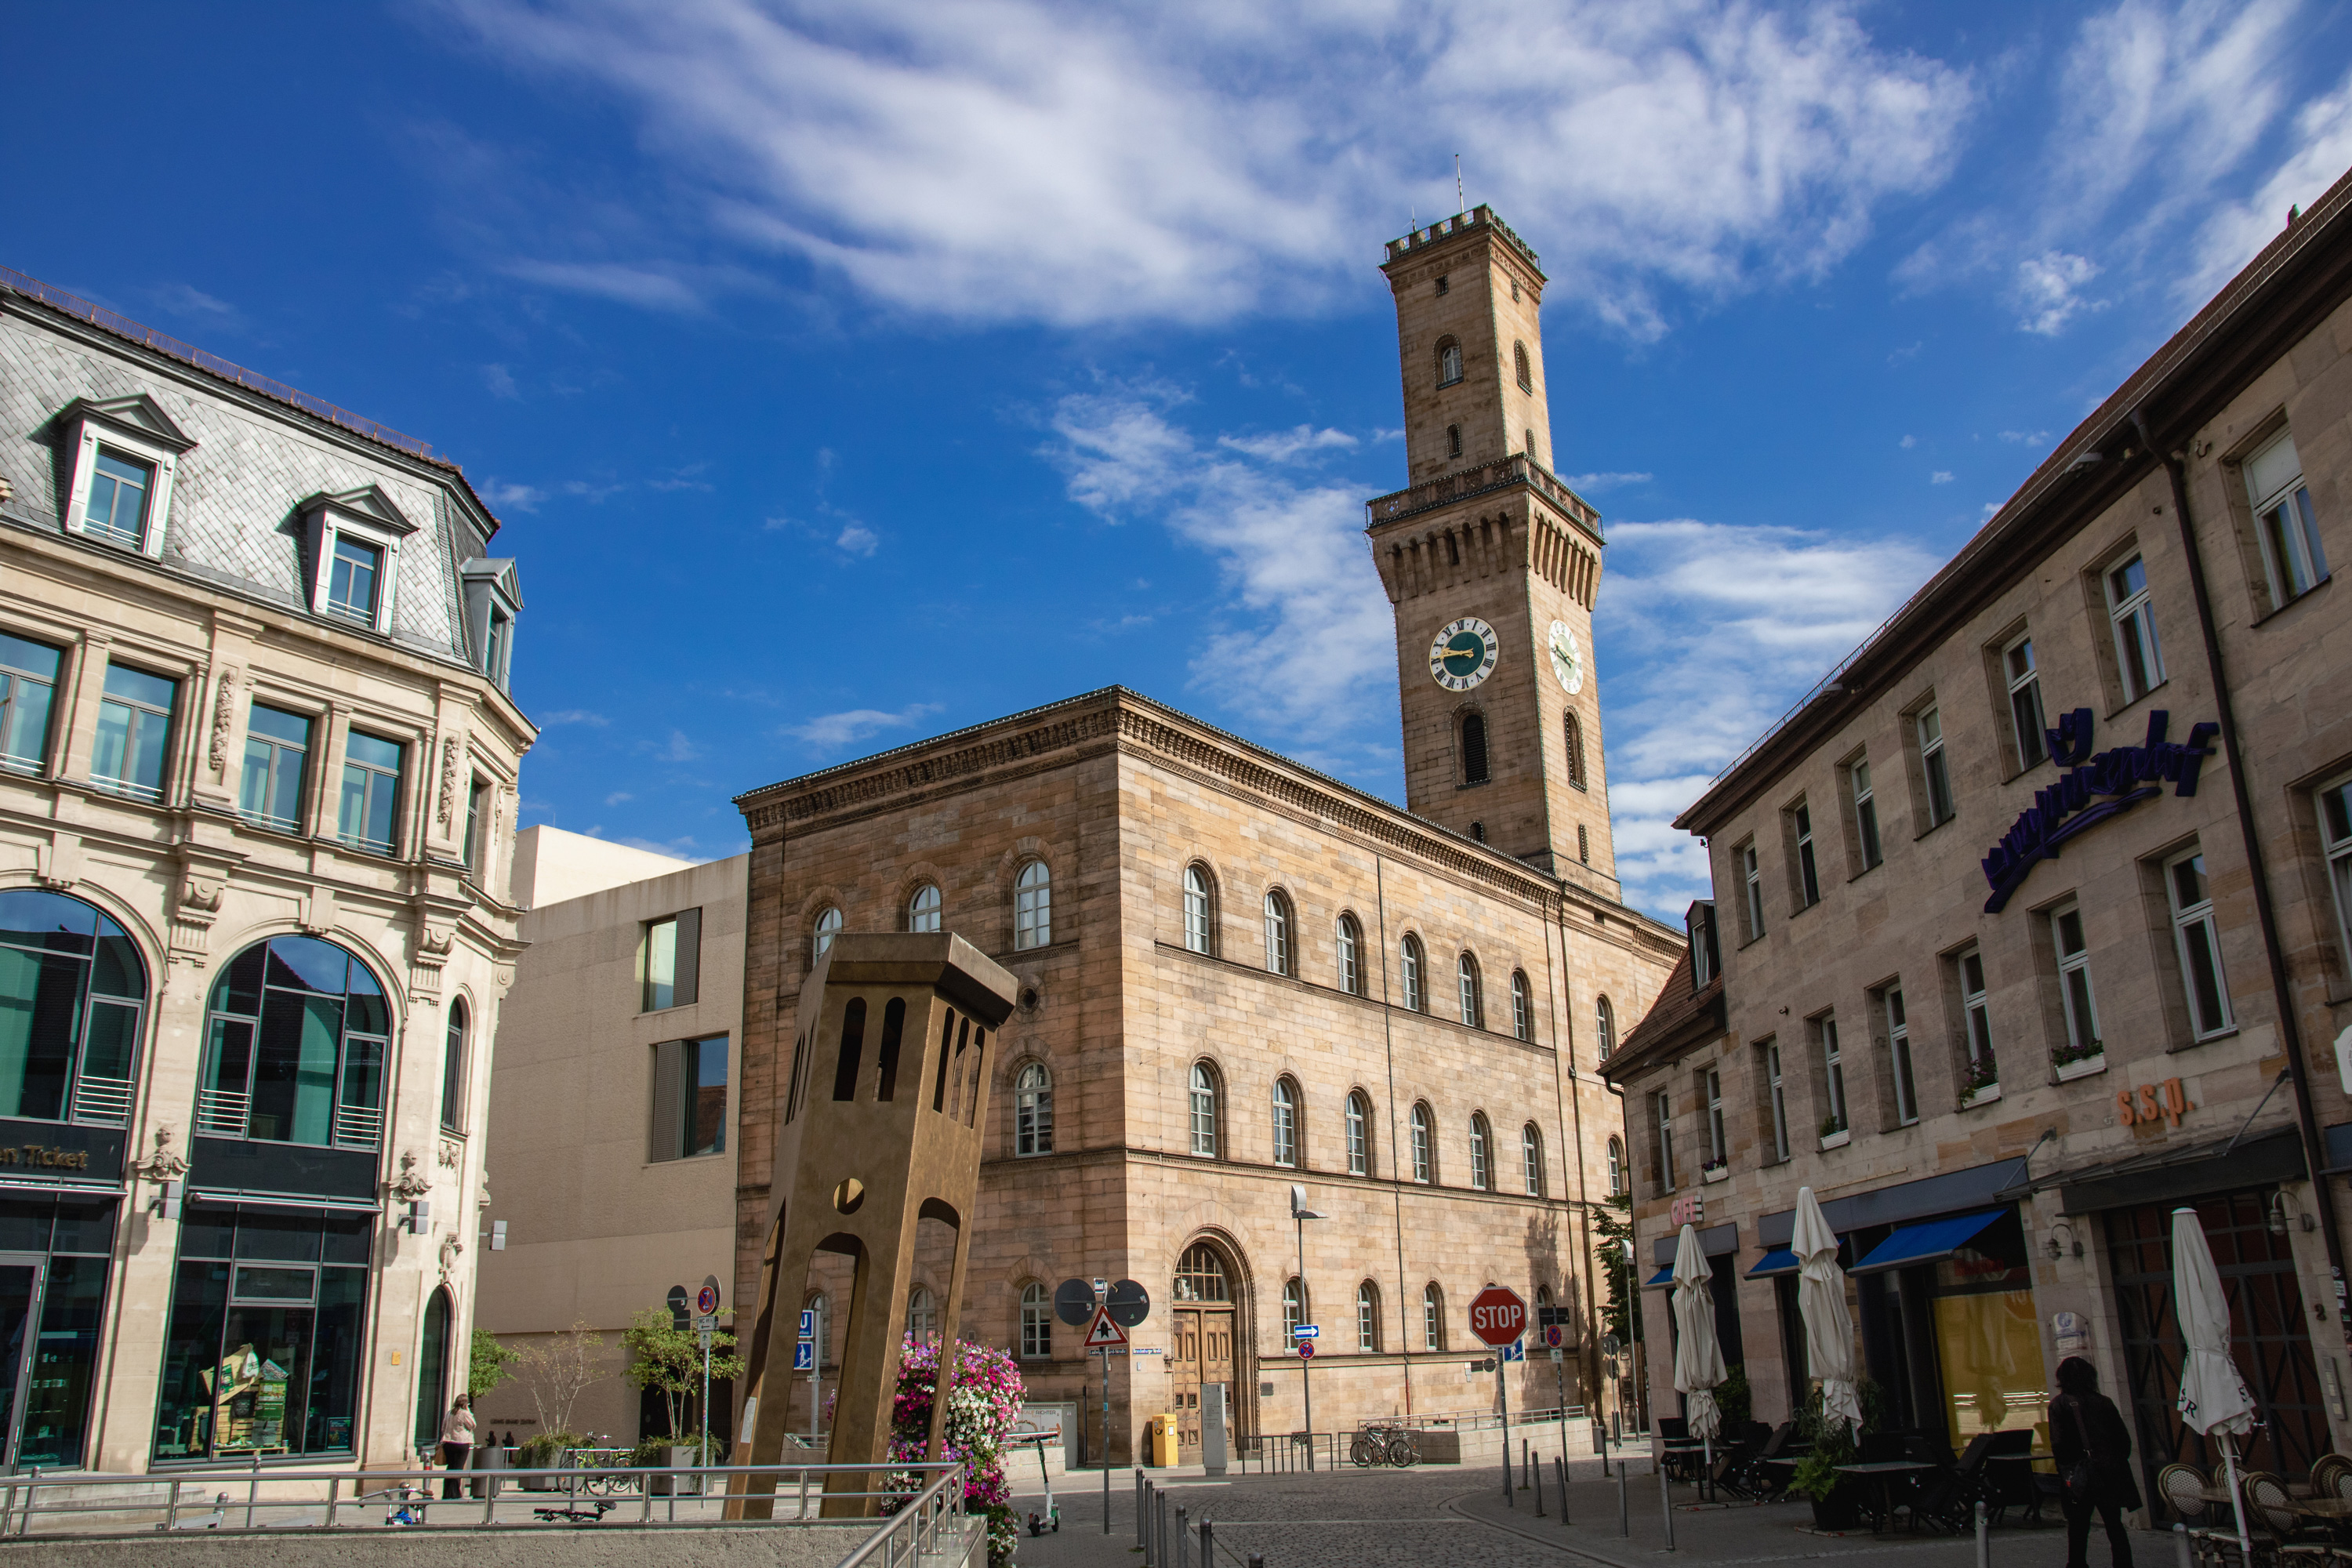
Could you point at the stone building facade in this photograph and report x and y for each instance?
(2035, 921)
(257, 766)
(1237, 975)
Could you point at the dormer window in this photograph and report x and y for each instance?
(352, 543)
(350, 590)
(124, 450)
(1706, 960)
(492, 601)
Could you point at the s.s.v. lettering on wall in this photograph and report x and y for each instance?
(2124, 776)
(2151, 1103)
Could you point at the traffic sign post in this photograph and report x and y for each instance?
(1554, 1323)
(1498, 1316)
(706, 1301)
(1105, 1312)
(1307, 1350)
(805, 1360)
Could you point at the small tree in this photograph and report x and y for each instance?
(1614, 1221)
(558, 1370)
(487, 1367)
(668, 1359)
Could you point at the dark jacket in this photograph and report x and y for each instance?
(2074, 1417)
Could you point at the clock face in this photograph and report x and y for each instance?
(1464, 654)
(1567, 659)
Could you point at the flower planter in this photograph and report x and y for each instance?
(1839, 1139)
(688, 1486)
(1977, 1097)
(1841, 1510)
(2082, 1068)
(1714, 1172)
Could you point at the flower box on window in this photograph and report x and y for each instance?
(1714, 1170)
(2083, 1067)
(1837, 1139)
(1980, 1094)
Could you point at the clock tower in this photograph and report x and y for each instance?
(1492, 563)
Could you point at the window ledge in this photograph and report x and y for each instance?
(1837, 1139)
(1935, 827)
(2083, 1067)
(2120, 708)
(1971, 1099)
(2213, 1038)
(2302, 598)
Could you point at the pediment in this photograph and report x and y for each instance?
(368, 504)
(499, 571)
(137, 414)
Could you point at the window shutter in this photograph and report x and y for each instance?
(689, 956)
(668, 1135)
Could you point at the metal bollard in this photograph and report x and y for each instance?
(1559, 1470)
(1208, 1546)
(1624, 1521)
(1142, 1540)
(1256, 1561)
(1983, 1558)
(1182, 1531)
(2180, 1545)
(1159, 1527)
(1666, 1507)
(1527, 1466)
(1538, 1471)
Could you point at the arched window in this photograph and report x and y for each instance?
(1616, 1168)
(828, 926)
(1473, 749)
(1033, 1111)
(295, 1047)
(923, 908)
(1575, 750)
(1583, 846)
(922, 1315)
(1199, 911)
(1481, 1142)
(1522, 1010)
(1294, 1307)
(1449, 361)
(1604, 1026)
(73, 995)
(1360, 1138)
(1478, 832)
(1410, 970)
(1204, 1110)
(1351, 944)
(1279, 959)
(1454, 440)
(1200, 1275)
(1032, 906)
(1432, 1317)
(1527, 377)
(1036, 1323)
(1286, 1122)
(432, 1393)
(1424, 1159)
(1531, 1160)
(453, 1070)
(1466, 981)
(1368, 1316)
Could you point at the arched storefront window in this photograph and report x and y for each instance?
(432, 1393)
(453, 1070)
(73, 993)
(297, 1036)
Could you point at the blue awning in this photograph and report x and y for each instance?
(1780, 1260)
(1925, 1242)
(1663, 1277)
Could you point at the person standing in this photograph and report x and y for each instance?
(456, 1445)
(2094, 1448)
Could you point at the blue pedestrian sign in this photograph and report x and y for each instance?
(808, 1324)
(1515, 1351)
(1306, 1330)
(804, 1356)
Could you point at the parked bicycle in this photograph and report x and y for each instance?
(1384, 1446)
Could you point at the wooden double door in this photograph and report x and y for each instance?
(1199, 1353)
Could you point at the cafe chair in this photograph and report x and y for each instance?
(2331, 1477)
(1766, 1482)
(1948, 1498)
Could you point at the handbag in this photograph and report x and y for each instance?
(2079, 1482)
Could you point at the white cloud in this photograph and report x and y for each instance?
(499, 380)
(2026, 437)
(2049, 290)
(1595, 483)
(573, 716)
(2235, 231)
(857, 540)
(1302, 643)
(1779, 608)
(1199, 165)
(1284, 445)
(829, 730)
(499, 493)
(676, 749)
(617, 796)
(1908, 442)
(1941, 477)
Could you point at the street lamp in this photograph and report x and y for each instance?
(1301, 1214)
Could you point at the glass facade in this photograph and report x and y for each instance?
(54, 1255)
(72, 992)
(294, 1049)
(262, 1352)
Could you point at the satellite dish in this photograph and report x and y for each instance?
(1130, 1304)
(1074, 1302)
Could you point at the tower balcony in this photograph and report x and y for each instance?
(1502, 474)
(1481, 216)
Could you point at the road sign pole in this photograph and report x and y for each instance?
(1503, 1386)
(1105, 1361)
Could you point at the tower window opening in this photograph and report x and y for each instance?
(1444, 282)
(1478, 832)
(1449, 361)
(1519, 363)
(1583, 845)
(1473, 749)
(1531, 445)
(1454, 440)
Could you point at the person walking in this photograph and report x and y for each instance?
(2093, 1449)
(456, 1445)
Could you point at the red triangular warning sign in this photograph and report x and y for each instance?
(1105, 1332)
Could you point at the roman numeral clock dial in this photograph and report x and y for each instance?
(1464, 654)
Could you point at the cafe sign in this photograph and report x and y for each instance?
(2093, 789)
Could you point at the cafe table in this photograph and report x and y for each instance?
(1884, 1472)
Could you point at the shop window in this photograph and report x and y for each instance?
(689, 1098)
(28, 684)
(134, 729)
(53, 1286)
(1033, 1111)
(1286, 1122)
(2198, 939)
(669, 962)
(1032, 906)
(1036, 1323)
(73, 997)
(1980, 1302)
(297, 1038)
(1350, 946)
(277, 761)
(264, 1345)
(1360, 1138)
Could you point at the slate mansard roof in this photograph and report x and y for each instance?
(256, 454)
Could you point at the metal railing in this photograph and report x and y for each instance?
(221, 1113)
(917, 1527)
(358, 1126)
(103, 1102)
(258, 1500)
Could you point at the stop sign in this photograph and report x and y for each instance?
(1497, 1315)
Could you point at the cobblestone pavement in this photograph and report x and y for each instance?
(1445, 1515)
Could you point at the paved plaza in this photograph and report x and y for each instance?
(1448, 1515)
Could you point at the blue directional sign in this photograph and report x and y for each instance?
(805, 1357)
(1515, 1351)
(808, 1324)
(1306, 1330)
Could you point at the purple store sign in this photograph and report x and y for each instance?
(2117, 780)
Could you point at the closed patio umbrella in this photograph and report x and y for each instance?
(1698, 1359)
(1820, 1300)
(2213, 1397)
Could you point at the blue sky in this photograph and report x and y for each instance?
(845, 374)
